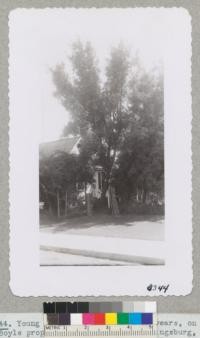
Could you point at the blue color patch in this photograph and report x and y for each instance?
(135, 318)
(147, 318)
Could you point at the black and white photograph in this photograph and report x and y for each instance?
(103, 175)
(100, 95)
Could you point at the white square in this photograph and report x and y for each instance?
(76, 318)
(150, 307)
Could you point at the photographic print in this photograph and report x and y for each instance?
(103, 175)
(100, 141)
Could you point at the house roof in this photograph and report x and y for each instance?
(65, 144)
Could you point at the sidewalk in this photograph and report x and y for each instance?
(145, 252)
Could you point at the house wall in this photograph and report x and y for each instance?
(75, 149)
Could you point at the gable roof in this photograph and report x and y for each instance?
(65, 144)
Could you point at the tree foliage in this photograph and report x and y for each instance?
(119, 116)
(141, 158)
(59, 174)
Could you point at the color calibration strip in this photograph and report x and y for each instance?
(104, 313)
(99, 318)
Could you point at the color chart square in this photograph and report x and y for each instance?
(49, 307)
(99, 319)
(106, 307)
(111, 318)
(52, 318)
(135, 318)
(95, 307)
(72, 307)
(64, 318)
(60, 307)
(88, 318)
(123, 318)
(76, 318)
(128, 307)
(139, 307)
(147, 318)
(150, 307)
(83, 307)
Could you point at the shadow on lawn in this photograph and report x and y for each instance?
(84, 222)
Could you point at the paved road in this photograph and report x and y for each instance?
(55, 258)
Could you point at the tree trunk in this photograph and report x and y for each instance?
(137, 195)
(113, 201)
(144, 193)
(144, 196)
(85, 193)
(51, 206)
(66, 204)
(89, 204)
(58, 204)
(50, 210)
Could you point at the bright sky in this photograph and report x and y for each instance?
(44, 37)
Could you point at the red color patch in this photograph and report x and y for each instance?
(99, 319)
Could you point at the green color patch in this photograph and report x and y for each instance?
(122, 318)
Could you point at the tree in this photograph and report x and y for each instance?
(80, 94)
(97, 110)
(59, 175)
(119, 117)
(141, 159)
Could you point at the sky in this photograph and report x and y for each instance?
(44, 38)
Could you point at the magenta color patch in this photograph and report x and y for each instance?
(88, 318)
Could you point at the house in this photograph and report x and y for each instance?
(71, 145)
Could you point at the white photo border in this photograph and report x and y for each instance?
(27, 278)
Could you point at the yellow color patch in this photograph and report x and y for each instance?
(110, 318)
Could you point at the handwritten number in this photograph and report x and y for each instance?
(160, 288)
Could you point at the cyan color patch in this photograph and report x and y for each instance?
(135, 318)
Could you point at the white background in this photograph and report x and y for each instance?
(172, 31)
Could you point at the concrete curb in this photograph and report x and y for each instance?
(105, 255)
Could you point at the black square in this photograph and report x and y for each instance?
(49, 307)
(61, 307)
(83, 307)
(72, 307)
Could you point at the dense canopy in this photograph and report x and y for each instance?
(118, 113)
